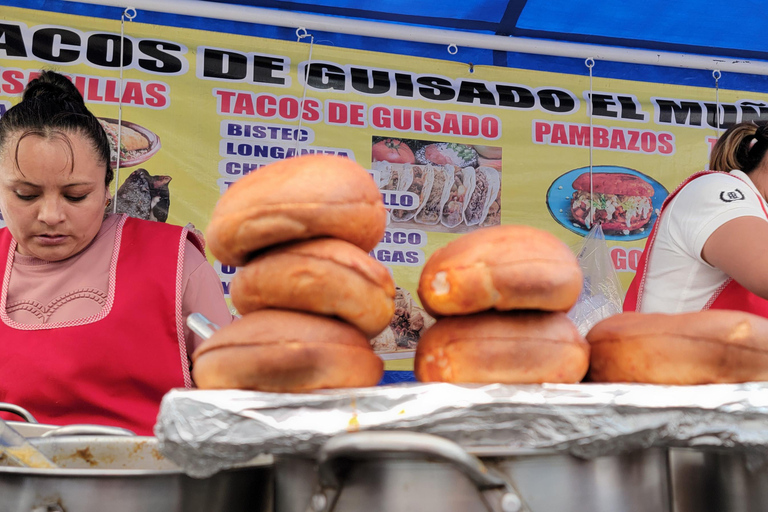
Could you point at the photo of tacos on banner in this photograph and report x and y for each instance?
(624, 201)
(457, 186)
(137, 144)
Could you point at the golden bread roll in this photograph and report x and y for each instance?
(521, 347)
(294, 199)
(703, 347)
(286, 352)
(503, 268)
(326, 276)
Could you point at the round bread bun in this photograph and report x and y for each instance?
(326, 276)
(503, 268)
(294, 199)
(703, 347)
(286, 352)
(522, 347)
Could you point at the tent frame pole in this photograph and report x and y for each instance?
(258, 15)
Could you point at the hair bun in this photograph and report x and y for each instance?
(51, 86)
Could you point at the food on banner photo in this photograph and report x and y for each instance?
(137, 144)
(625, 202)
(449, 186)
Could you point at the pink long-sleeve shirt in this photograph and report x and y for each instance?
(47, 292)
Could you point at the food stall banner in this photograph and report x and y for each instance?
(454, 147)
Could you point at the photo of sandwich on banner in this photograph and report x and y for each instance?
(461, 187)
(493, 218)
(137, 144)
(621, 202)
(419, 179)
(487, 185)
(430, 212)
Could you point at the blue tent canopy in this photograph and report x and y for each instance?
(732, 30)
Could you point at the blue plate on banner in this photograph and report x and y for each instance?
(561, 191)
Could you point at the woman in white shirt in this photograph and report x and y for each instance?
(709, 247)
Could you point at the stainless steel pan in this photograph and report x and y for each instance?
(405, 471)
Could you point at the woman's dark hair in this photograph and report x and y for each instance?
(743, 146)
(52, 107)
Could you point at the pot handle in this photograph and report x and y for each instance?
(498, 493)
(17, 410)
(88, 430)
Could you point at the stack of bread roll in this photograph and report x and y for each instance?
(500, 295)
(310, 294)
(702, 347)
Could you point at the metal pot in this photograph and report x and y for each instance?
(128, 474)
(401, 471)
(716, 480)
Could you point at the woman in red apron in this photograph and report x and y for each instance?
(92, 307)
(709, 246)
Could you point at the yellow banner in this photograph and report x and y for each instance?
(454, 147)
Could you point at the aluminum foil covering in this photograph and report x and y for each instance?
(207, 431)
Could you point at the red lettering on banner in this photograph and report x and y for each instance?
(451, 124)
(244, 105)
(617, 140)
(132, 94)
(559, 135)
(12, 81)
(625, 260)
(540, 131)
(614, 139)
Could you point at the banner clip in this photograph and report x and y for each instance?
(129, 13)
(453, 49)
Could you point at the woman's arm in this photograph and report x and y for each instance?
(202, 293)
(740, 249)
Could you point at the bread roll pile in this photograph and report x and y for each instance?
(500, 295)
(310, 294)
(703, 347)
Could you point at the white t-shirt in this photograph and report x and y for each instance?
(678, 279)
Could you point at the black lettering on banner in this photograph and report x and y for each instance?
(515, 96)
(729, 196)
(326, 76)
(160, 61)
(471, 91)
(104, 50)
(556, 100)
(726, 117)
(263, 67)
(684, 113)
(46, 45)
(435, 88)
(11, 41)
(629, 108)
(601, 105)
(371, 81)
(754, 111)
(224, 64)
(404, 85)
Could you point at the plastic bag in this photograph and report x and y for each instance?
(602, 294)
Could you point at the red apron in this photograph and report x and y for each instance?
(730, 295)
(112, 368)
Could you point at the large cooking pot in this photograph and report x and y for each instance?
(127, 474)
(717, 480)
(402, 471)
(122, 473)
